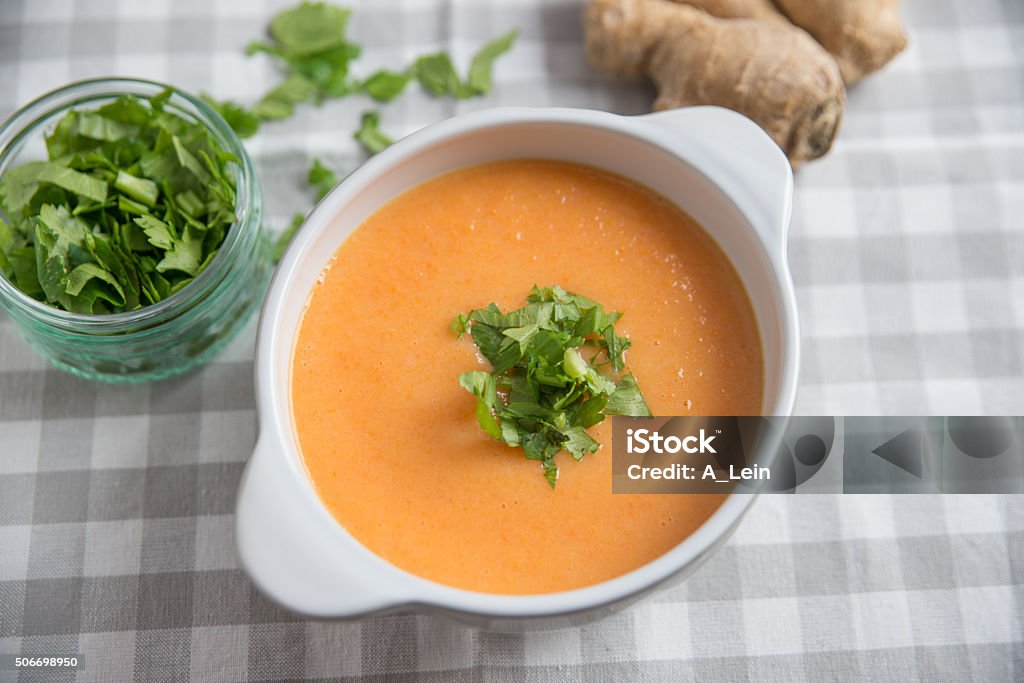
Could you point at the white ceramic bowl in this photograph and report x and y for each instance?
(715, 164)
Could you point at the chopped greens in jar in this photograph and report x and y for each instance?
(132, 203)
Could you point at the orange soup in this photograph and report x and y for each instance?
(389, 437)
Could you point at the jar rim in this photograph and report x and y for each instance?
(20, 125)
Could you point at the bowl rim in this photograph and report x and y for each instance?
(416, 592)
(14, 132)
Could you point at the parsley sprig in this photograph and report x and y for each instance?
(545, 388)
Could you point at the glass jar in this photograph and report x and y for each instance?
(188, 327)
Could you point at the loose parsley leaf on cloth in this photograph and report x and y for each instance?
(309, 29)
(370, 136)
(542, 393)
(309, 39)
(285, 238)
(385, 85)
(133, 202)
(243, 121)
(437, 75)
(479, 80)
(321, 178)
(280, 102)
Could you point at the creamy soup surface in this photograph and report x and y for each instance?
(390, 439)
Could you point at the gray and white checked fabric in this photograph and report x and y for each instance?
(908, 254)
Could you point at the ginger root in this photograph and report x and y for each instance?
(863, 35)
(770, 71)
(761, 10)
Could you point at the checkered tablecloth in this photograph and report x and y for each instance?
(907, 249)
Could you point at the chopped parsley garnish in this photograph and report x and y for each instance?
(131, 205)
(545, 388)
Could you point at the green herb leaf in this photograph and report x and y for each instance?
(24, 271)
(598, 383)
(17, 187)
(372, 138)
(310, 40)
(91, 289)
(309, 28)
(8, 240)
(185, 254)
(190, 203)
(188, 161)
(480, 68)
(579, 443)
(82, 274)
(285, 238)
(550, 472)
(157, 232)
(321, 178)
(590, 412)
(591, 320)
(523, 335)
(436, 73)
(280, 102)
(574, 365)
(243, 121)
(615, 347)
(550, 393)
(139, 189)
(385, 85)
(71, 180)
(328, 70)
(627, 399)
(59, 237)
(503, 352)
(128, 110)
(95, 126)
(64, 139)
(157, 102)
(458, 325)
(482, 385)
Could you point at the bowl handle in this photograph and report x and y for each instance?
(735, 153)
(295, 552)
